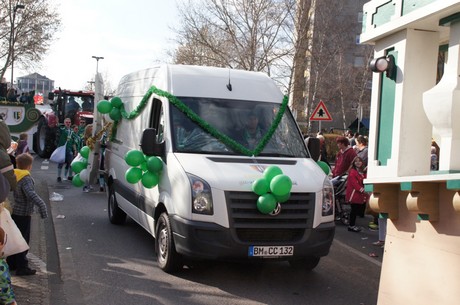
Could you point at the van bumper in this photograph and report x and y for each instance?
(204, 240)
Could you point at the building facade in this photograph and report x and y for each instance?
(35, 82)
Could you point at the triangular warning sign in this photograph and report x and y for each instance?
(320, 113)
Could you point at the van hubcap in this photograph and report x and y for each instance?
(163, 243)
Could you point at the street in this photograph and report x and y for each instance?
(101, 263)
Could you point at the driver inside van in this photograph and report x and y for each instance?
(252, 133)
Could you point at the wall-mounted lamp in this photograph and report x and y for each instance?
(384, 64)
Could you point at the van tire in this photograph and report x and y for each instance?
(116, 215)
(305, 264)
(168, 259)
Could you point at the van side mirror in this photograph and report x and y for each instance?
(314, 148)
(149, 145)
(51, 95)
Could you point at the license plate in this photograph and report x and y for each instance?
(271, 251)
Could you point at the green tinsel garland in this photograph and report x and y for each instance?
(203, 124)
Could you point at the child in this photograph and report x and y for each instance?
(23, 147)
(355, 192)
(6, 290)
(25, 198)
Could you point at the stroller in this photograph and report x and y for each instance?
(342, 208)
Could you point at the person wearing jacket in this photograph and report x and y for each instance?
(25, 198)
(355, 193)
(6, 166)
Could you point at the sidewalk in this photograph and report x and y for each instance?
(34, 289)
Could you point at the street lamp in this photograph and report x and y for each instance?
(18, 6)
(97, 62)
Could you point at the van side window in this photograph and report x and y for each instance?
(157, 119)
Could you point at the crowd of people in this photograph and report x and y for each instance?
(351, 160)
(74, 138)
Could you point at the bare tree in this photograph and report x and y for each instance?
(254, 35)
(27, 29)
(302, 55)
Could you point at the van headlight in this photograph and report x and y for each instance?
(328, 198)
(201, 196)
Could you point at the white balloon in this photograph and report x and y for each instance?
(84, 175)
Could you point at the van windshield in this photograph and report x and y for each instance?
(246, 122)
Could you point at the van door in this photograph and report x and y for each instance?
(149, 198)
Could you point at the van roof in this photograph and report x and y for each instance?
(199, 81)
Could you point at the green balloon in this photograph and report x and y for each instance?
(281, 185)
(78, 166)
(133, 175)
(76, 181)
(104, 106)
(282, 199)
(116, 102)
(143, 166)
(324, 167)
(150, 179)
(266, 203)
(115, 114)
(260, 186)
(134, 157)
(154, 164)
(272, 171)
(84, 152)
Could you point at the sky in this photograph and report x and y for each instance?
(130, 34)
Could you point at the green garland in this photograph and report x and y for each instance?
(203, 124)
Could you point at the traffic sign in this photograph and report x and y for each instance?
(320, 113)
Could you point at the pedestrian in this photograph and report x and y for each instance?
(343, 160)
(362, 149)
(351, 138)
(323, 150)
(87, 133)
(355, 193)
(69, 138)
(434, 159)
(362, 152)
(6, 165)
(382, 232)
(25, 199)
(11, 95)
(102, 162)
(23, 146)
(6, 289)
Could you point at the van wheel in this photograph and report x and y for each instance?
(116, 215)
(306, 264)
(168, 259)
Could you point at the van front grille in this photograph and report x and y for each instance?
(250, 225)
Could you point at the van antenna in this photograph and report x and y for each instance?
(229, 85)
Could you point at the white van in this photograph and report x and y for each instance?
(203, 206)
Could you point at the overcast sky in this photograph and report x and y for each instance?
(129, 34)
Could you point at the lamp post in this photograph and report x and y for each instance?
(18, 6)
(97, 62)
